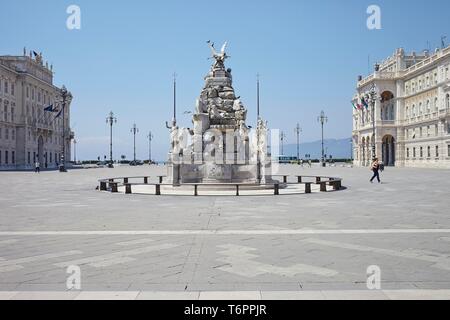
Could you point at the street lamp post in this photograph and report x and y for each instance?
(351, 150)
(75, 151)
(258, 128)
(150, 137)
(134, 130)
(322, 119)
(371, 97)
(66, 98)
(111, 119)
(298, 130)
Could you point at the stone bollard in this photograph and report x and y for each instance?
(335, 185)
(308, 187)
(102, 186)
(113, 186)
(127, 188)
(157, 189)
(276, 190)
(145, 180)
(323, 186)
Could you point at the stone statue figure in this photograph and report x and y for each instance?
(218, 56)
(262, 138)
(174, 139)
(200, 106)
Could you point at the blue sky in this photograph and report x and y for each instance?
(309, 54)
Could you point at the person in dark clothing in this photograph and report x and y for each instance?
(376, 170)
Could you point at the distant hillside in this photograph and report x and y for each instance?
(338, 148)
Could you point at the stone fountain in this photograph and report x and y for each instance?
(220, 148)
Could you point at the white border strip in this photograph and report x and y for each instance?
(419, 294)
(223, 232)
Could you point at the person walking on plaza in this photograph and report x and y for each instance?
(376, 170)
(37, 168)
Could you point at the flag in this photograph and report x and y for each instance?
(364, 103)
(50, 109)
(59, 113)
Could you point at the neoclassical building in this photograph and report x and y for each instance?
(27, 132)
(412, 112)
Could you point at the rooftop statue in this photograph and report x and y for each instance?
(219, 57)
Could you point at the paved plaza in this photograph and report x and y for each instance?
(210, 246)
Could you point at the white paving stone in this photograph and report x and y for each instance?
(231, 295)
(107, 295)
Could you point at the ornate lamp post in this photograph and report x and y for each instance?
(66, 97)
(322, 119)
(111, 119)
(134, 130)
(298, 130)
(371, 98)
(150, 137)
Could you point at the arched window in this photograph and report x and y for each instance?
(414, 110)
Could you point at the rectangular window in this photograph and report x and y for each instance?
(437, 151)
(29, 157)
(13, 157)
(51, 155)
(407, 152)
(429, 152)
(421, 152)
(12, 89)
(414, 152)
(12, 114)
(5, 113)
(6, 87)
(6, 157)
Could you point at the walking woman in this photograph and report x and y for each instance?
(375, 168)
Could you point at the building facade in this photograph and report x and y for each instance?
(27, 132)
(412, 111)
